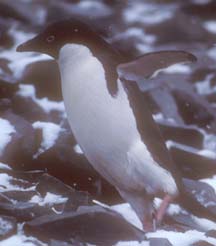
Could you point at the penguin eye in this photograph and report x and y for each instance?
(50, 38)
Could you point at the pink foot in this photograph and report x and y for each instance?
(162, 209)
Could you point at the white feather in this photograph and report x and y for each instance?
(105, 127)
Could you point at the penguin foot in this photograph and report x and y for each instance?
(162, 209)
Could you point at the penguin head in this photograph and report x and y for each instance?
(58, 34)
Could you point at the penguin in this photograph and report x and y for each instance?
(110, 118)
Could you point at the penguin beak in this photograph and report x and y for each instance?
(31, 45)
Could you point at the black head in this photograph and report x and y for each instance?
(56, 35)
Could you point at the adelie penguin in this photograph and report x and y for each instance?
(109, 118)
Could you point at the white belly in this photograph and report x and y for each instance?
(105, 127)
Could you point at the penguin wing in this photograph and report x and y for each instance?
(149, 65)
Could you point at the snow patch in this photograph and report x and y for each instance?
(127, 212)
(6, 184)
(205, 152)
(6, 130)
(50, 132)
(21, 239)
(133, 243)
(18, 61)
(212, 53)
(176, 68)
(204, 87)
(211, 182)
(49, 199)
(46, 104)
(78, 150)
(5, 166)
(148, 13)
(210, 26)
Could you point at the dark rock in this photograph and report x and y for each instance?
(202, 243)
(53, 185)
(211, 233)
(18, 195)
(193, 110)
(94, 225)
(183, 222)
(159, 242)
(25, 211)
(182, 134)
(179, 29)
(192, 165)
(22, 145)
(9, 12)
(7, 88)
(204, 195)
(59, 243)
(6, 40)
(47, 83)
(204, 11)
(8, 226)
(28, 109)
(5, 104)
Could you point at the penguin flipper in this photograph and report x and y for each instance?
(147, 66)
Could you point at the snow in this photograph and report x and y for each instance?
(49, 199)
(127, 212)
(176, 68)
(212, 53)
(172, 209)
(77, 149)
(133, 243)
(21, 240)
(206, 225)
(7, 185)
(204, 87)
(205, 152)
(210, 26)
(201, 1)
(211, 182)
(4, 166)
(50, 132)
(148, 13)
(46, 104)
(182, 239)
(176, 238)
(6, 130)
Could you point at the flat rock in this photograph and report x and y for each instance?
(182, 134)
(192, 165)
(55, 186)
(94, 225)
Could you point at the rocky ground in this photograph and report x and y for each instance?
(49, 194)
